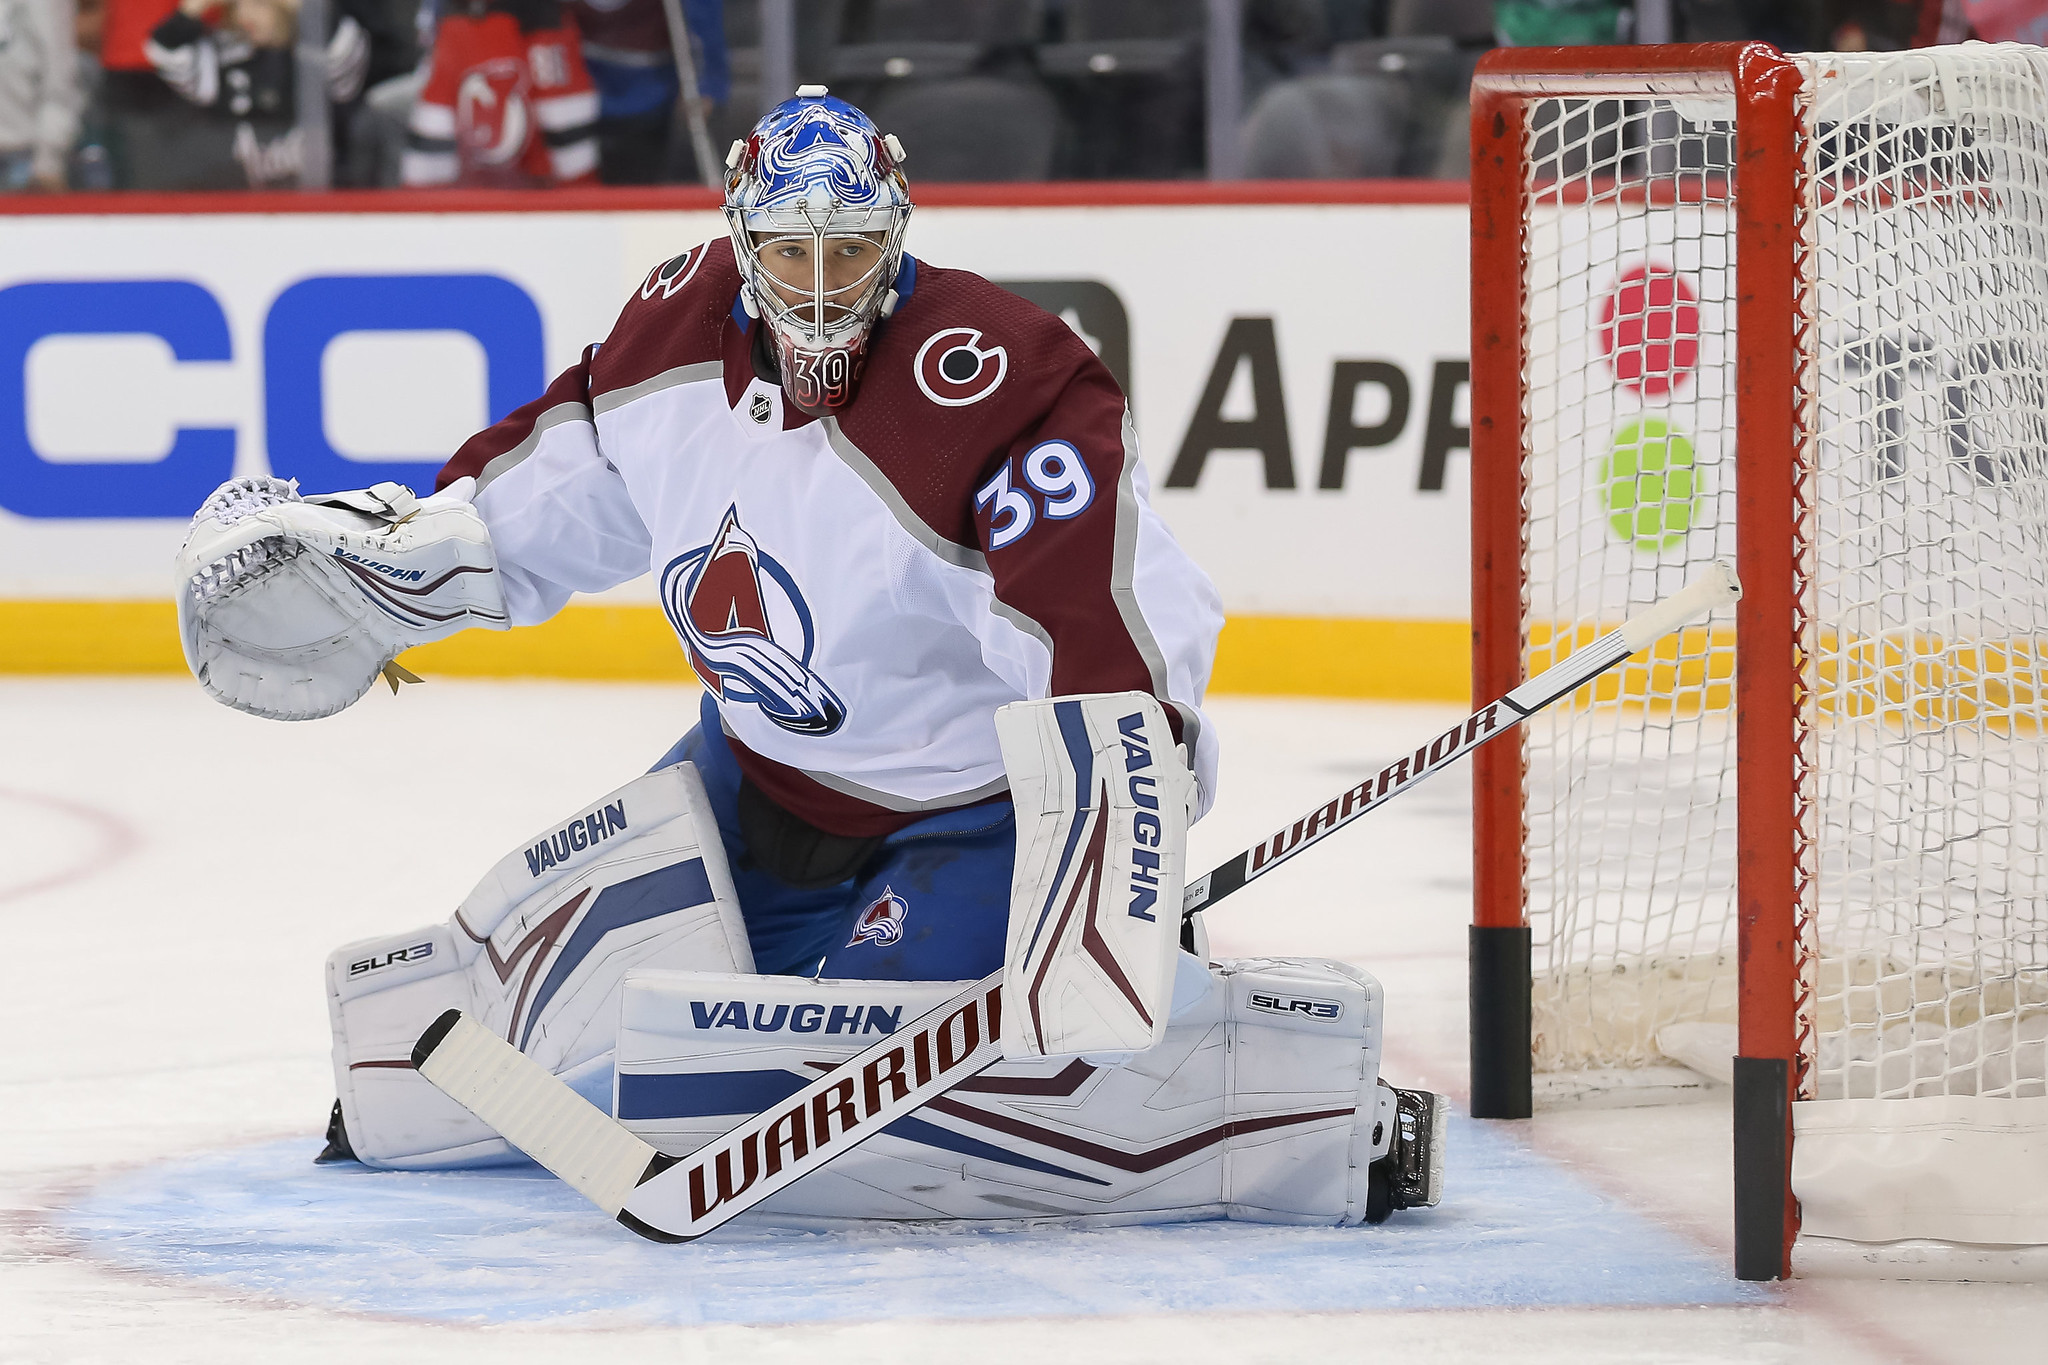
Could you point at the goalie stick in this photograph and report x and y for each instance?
(678, 1199)
(1716, 587)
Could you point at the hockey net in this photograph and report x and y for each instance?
(1912, 550)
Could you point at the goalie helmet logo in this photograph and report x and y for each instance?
(882, 922)
(748, 630)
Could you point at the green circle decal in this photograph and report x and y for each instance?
(1650, 486)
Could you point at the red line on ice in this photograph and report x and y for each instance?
(117, 839)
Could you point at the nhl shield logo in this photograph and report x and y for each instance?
(760, 409)
(882, 922)
(748, 630)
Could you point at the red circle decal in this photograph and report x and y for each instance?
(1650, 329)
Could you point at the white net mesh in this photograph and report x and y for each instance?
(1926, 585)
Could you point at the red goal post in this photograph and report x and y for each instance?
(1793, 310)
(1764, 88)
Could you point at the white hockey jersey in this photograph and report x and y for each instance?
(861, 592)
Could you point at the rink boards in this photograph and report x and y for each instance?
(1297, 371)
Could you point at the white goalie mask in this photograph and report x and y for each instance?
(817, 206)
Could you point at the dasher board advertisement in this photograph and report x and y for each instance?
(1297, 371)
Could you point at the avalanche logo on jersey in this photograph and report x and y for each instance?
(882, 922)
(492, 120)
(954, 369)
(715, 600)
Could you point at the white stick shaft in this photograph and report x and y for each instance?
(535, 1112)
(831, 1116)
(678, 1199)
(1717, 587)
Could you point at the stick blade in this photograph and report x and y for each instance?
(534, 1111)
(1717, 586)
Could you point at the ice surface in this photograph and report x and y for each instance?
(172, 874)
(516, 1245)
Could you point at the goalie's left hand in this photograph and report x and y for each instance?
(1103, 801)
(290, 607)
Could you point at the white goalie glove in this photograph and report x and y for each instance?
(290, 607)
(1102, 799)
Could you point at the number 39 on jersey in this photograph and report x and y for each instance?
(1052, 469)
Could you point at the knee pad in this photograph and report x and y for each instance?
(1262, 1102)
(535, 954)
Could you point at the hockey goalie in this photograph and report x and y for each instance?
(953, 665)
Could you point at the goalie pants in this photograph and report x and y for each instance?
(931, 903)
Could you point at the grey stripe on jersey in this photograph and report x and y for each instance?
(1024, 623)
(553, 417)
(1122, 575)
(1123, 585)
(857, 460)
(667, 379)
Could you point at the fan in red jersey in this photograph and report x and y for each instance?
(507, 101)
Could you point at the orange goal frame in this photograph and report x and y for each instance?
(1774, 388)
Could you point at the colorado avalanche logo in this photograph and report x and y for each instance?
(827, 149)
(492, 120)
(882, 922)
(714, 598)
(954, 369)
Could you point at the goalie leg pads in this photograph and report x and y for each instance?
(535, 954)
(1102, 801)
(1263, 1101)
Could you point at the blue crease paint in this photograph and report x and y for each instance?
(515, 1245)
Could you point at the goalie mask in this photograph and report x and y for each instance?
(817, 207)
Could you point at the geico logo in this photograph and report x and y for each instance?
(804, 1018)
(297, 328)
(1295, 1004)
(419, 952)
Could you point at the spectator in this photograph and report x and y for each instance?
(243, 72)
(38, 93)
(627, 47)
(1789, 25)
(507, 101)
(92, 165)
(148, 125)
(1557, 23)
(1994, 21)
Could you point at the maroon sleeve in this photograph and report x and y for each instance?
(1059, 523)
(678, 316)
(512, 431)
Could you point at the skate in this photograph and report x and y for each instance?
(1411, 1174)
